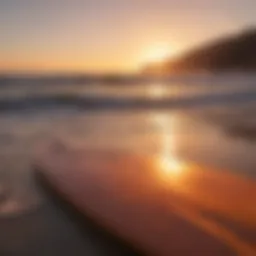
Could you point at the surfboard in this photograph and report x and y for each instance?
(177, 211)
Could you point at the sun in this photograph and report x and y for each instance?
(158, 53)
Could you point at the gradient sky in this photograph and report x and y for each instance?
(109, 35)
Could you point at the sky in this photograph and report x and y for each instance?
(110, 35)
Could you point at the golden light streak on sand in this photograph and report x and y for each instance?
(215, 229)
(172, 175)
(171, 165)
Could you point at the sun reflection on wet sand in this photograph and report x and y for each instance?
(167, 158)
(171, 165)
(218, 192)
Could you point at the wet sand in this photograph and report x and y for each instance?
(187, 211)
(161, 212)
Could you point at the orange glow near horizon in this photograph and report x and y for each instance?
(69, 65)
(126, 62)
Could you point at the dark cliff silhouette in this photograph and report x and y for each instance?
(233, 53)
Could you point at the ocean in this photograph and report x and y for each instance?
(208, 120)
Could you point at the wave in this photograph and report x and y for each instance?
(118, 103)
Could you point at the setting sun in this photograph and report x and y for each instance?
(158, 53)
